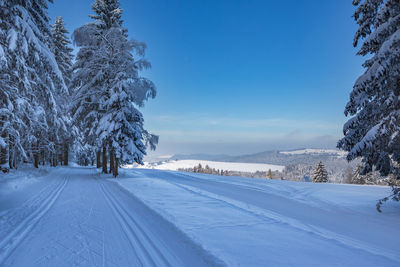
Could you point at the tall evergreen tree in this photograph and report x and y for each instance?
(269, 174)
(373, 131)
(109, 89)
(357, 177)
(62, 49)
(63, 55)
(320, 174)
(30, 78)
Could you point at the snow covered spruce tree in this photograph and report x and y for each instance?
(109, 89)
(373, 131)
(62, 49)
(30, 78)
(63, 55)
(320, 174)
(357, 178)
(269, 174)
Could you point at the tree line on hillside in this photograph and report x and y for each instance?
(208, 170)
(53, 104)
(320, 173)
(317, 174)
(349, 175)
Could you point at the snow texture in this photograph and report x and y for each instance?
(257, 222)
(75, 216)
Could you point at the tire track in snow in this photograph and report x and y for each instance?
(268, 215)
(19, 231)
(144, 247)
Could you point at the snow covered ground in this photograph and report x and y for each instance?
(174, 165)
(75, 216)
(255, 222)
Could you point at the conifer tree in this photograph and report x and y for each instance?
(62, 49)
(30, 77)
(348, 175)
(373, 131)
(320, 174)
(63, 55)
(269, 174)
(357, 177)
(109, 89)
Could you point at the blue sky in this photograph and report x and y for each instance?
(241, 76)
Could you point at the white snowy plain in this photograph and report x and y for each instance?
(175, 165)
(76, 216)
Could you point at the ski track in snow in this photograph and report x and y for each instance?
(82, 219)
(37, 207)
(318, 222)
(269, 216)
(144, 248)
(78, 217)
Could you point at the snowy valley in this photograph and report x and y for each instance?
(296, 165)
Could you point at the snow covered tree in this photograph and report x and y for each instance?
(12, 104)
(320, 174)
(373, 131)
(269, 174)
(62, 49)
(63, 55)
(358, 178)
(84, 153)
(348, 175)
(30, 77)
(109, 89)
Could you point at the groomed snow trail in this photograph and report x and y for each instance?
(256, 222)
(82, 219)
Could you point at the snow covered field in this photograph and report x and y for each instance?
(226, 166)
(75, 216)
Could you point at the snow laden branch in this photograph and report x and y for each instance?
(372, 131)
(33, 84)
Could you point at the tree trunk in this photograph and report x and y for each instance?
(5, 154)
(116, 163)
(60, 154)
(36, 155)
(98, 158)
(112, 159)
(12, 155)
(104, 161)
(43, 157)
(9, 151)
(66, 153)
(55, 158)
